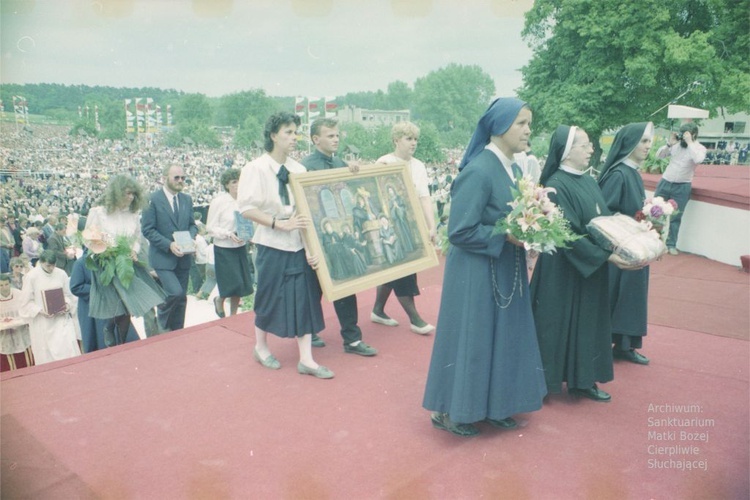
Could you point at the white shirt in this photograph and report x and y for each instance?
(683, 161)
(416, 169)
(220, 222)
(259, 189)
(119, 223)
(170, 196)
(507, 162)
(529, 164)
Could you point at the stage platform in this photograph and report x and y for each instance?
(189, 414)
(724, 185)
(716, 222)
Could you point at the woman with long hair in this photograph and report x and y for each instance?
(117, 219)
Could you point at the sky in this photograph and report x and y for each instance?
(285, 47)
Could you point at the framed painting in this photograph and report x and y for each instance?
(368, 227)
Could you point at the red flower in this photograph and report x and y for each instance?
(639, 216)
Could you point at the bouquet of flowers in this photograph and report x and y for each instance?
(110, 256)
(657, 213)
(535, 219)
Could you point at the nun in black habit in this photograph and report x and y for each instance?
(485, 362)
(569, 288)
(622, 186)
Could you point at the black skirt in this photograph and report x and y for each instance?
(405, 287)
(287, 302)
(233, 271)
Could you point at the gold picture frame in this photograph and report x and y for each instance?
(369, 228)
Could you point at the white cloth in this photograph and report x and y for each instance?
(530, 165)
(119, 223)
(417, 170)
(507, 162)
(201, 249)
(53, 338)
(259, 189)
(683, 161)
(14, 331)
(220, 223)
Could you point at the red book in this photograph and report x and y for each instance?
(54, 301)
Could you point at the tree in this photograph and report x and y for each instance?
(454, 97)
(428, 148)
(601, 64)
(193, 108)
(251, 131)
(235, 108)
(399, 95)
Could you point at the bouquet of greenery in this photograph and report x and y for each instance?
(109, 256)
(535, 220)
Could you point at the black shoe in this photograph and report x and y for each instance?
(361, 348)
(506, 423)
(317, 341)
(109, 335)
(632, 355)
(219, 306)
(592, 393)
(441, 421)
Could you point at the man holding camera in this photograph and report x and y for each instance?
(685, 154)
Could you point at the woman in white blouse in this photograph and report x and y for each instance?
(231, 259)
(287, 301)
(117, 216)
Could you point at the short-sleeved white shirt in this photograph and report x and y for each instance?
(417, 170)
(258, 188)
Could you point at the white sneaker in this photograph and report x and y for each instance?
(383, 321)
(422, 330)
(674, 251)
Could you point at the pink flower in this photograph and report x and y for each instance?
(673, 203)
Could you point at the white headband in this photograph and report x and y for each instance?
(569, 143)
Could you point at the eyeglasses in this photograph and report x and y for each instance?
(179, 177)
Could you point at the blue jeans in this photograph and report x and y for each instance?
(679, 192)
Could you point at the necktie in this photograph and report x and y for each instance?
(283, 177)
(174, 204)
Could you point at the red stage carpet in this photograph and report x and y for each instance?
(725, 185)
(190, 415)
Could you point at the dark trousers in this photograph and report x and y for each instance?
(171, 313)
(679, 192)
(346, 311)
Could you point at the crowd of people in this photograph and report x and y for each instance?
(503, 339)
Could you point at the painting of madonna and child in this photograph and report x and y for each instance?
(369, 226)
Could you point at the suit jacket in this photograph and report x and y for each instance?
(58, 244)
(159, 222)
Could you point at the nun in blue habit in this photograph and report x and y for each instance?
(485, 364)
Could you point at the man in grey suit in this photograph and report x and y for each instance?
(170, 210)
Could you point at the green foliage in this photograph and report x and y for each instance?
(601, 64)
(428, 147)
(235, 109)
(251, 131)
(198, 133)
(399, 96)
(453, 97)
(193, 108)
(83, 127)
(115, 261)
